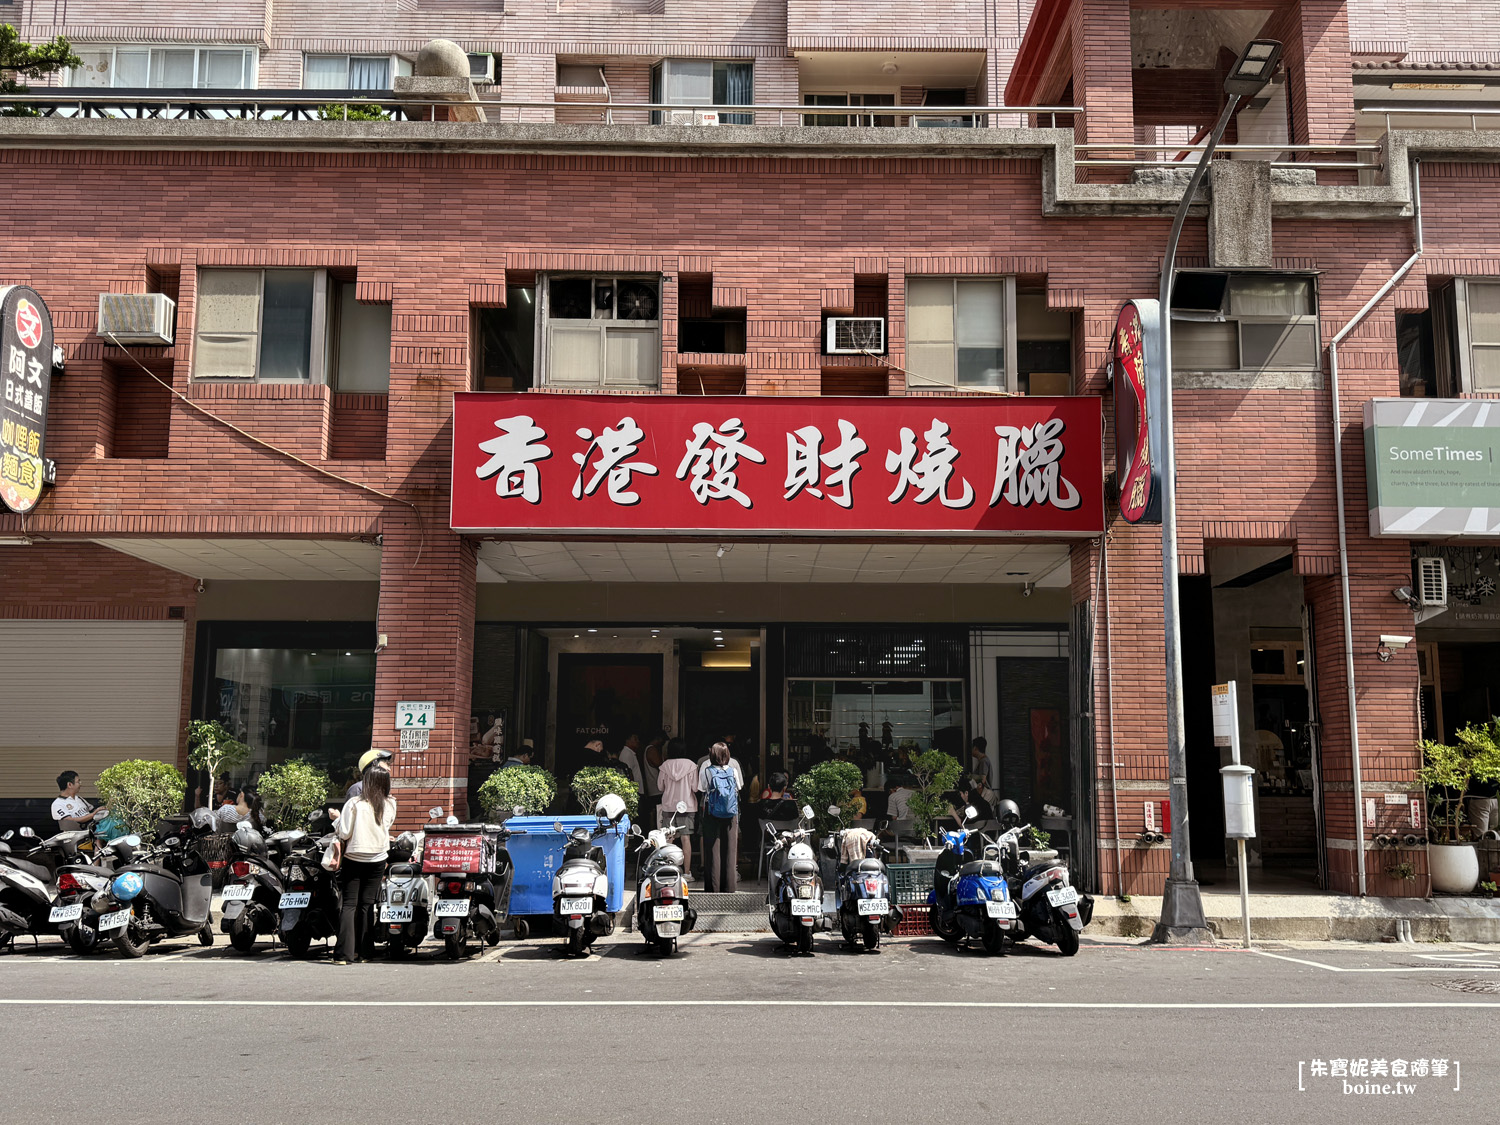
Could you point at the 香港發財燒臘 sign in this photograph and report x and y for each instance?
(942, 466)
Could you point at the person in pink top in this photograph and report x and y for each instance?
(678, 778)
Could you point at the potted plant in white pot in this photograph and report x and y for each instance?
(935, 773)
(1447, 772)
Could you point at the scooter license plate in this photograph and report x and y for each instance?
(806, 908)
(873, 906)
(1062, 896)
(452, 908)
(389, 913)
(667, 914)
(113, 921)
(66, 913)
(575, 906)
(1000, 909)
(238, 892)
(295, 900)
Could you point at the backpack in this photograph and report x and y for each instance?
(723, 797)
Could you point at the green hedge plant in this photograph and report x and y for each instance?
(291, 791)
(339, 111)
(935, 773)
(593, 782)
(529, 787)
(828, 784)
(141, 794)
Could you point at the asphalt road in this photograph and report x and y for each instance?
(735, 1030)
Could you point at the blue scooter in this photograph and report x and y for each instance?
(970, 897)
(862, 891)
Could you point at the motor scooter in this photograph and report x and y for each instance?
(310, 901)
(166, 892)
(405, 906)
(662, 910)
(79, 883)
(250, 903)
(862, 889)
(1051, 909)
(970, 896)
(580, 889)
(28, 880)
(794, 891)
(472, 874)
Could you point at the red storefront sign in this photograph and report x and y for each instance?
(1137, 351)
(725, 465)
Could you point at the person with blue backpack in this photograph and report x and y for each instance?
(720, 783)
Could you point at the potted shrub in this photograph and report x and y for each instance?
(828, 784)
(1447, 772)
(935, 773)
(529, 788)
(141, 794)
(592, 782)
(212, 748)
(291, 791)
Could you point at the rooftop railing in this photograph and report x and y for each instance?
(1186, 155)
(1489, 114)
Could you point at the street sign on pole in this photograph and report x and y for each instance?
(1226, 712)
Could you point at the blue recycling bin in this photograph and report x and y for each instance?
(536, 849)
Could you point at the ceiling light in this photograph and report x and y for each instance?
(593, 630)
(348, 654)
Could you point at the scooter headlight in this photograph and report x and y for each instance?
(127, 885)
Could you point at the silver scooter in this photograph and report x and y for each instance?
(662, 910)
(794, 893)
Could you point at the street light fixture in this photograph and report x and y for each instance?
(1182, 904)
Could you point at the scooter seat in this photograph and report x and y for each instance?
(405, 870)
(981, 867)
(871, 866)
(577, 865)
(35, 870)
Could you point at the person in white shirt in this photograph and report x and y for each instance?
(630, 757)
(364, 829)
(70, 810)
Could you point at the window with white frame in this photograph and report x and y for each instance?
(960, 332)
(700, 82)
(602, 331)
(352, 72)
(140, 66)
(289, 326)
(1468, 313)
(1244, 322)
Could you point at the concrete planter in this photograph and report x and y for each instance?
(1455, 867)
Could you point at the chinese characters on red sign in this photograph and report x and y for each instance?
(542, 462)
(26, 354)
(1136, 348)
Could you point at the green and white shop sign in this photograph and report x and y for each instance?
(1432, 468)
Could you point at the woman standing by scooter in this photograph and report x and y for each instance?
(364, 830)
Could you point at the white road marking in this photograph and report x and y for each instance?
(1004, 1004)
(1384, 969)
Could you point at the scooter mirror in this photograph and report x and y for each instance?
(452, 819)
(806, 812)
(434, 812)
(557, 826)
(518, 810)
(970, 812)
(682, 806)
(834, 810)
(28, 833)
(171, 843)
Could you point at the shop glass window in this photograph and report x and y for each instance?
(837, 717)
(172, 68)
(350, 72)
(868, 120)
(1244, 322)
(287, 326)
(957, 330)
(703, 82)
(602, 331)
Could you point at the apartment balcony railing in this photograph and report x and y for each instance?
(1186, 155)
(1434, 115)
(314, 105)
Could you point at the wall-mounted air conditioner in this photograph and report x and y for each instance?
(692, 117)
(854, 335)
(481, 68)
(137, 318)
(1432, 582)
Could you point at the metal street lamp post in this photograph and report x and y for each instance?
(1182, 905)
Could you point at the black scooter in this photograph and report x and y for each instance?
(310, 901)
(79, 883)
(28, 880)
(252, 894)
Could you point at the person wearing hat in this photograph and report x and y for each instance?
(364, 832)
(366, 760)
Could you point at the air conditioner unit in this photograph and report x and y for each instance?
(855, 335)
(481, 68)
(1432, 582)
(137, 318)
(692, 117)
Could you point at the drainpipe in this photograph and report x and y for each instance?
(1338, 486)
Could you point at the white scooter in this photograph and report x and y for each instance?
(794, 895)
(662, 910)
(581, 886)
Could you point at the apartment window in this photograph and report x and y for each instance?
(173, 68)
(958, 332)
(290, 326)
(351, 72)
(1416, 354)
(700, 82)
(1472, 308)
(945, 97)
(601, 331)
(884, 120)
(1244, 322)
